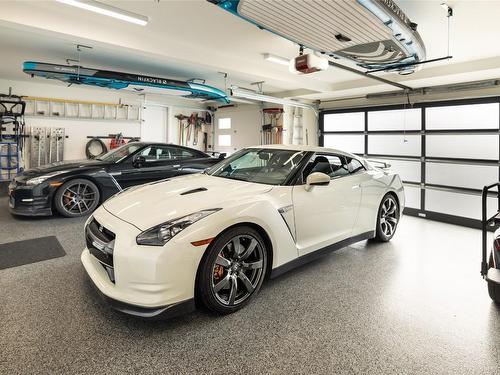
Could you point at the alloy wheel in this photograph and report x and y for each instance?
(389, 216)
(237, 270)
(78, 198)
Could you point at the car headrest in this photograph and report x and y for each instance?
(320, 159)
(323, 167)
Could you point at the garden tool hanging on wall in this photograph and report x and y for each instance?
(197, 123)
(181, 119)
(116, 141)
(191, 121)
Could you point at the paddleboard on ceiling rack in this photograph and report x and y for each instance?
(374, 34)
(127, 81)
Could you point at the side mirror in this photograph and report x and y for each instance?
(222, 155)
(139, 161)
(317, 179)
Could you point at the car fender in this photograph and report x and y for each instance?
(381, 183)
(257, 212)
(105, 182)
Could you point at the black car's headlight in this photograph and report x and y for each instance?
(38, 180)
(161, 234)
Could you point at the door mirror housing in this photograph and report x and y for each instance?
(139, 161)
(317, 179)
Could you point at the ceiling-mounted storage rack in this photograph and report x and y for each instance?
(77, 109)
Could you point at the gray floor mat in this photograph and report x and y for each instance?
(18, 253)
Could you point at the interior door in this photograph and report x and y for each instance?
(326, 214)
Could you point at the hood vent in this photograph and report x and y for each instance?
(197, 190)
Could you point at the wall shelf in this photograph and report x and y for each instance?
(53, 108)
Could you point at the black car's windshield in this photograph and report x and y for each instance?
(265, 166)
(120, 153)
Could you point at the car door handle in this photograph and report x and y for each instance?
(176, 166)
(356, 186)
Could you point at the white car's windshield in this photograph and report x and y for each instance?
(264, 166)
(120, 153)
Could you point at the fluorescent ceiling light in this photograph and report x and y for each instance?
(276, 59)
(108, 10)
(252, 95)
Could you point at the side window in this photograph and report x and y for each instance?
(179, 153)
(354, 165)
(332, 165)
(156, 153)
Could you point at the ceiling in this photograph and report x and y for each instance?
(195, 39)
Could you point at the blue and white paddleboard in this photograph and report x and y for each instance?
(119, 80)
(374, 34)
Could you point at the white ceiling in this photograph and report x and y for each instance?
(187, 39)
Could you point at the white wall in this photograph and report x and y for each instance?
(364, 102)
(77, 130)
(157, 123)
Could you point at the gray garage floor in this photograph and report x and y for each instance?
(414, 305)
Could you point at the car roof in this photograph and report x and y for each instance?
(306, 148)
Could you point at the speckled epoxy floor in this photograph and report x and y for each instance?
(414, 305)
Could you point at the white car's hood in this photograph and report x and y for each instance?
(152, 204)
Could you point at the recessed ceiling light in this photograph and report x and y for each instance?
(108, 10)
(276, 59)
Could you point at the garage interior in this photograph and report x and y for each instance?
(416, 304)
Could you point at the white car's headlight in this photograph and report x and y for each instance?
(161, 234)
(38, 180)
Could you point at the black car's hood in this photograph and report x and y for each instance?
(67, 165)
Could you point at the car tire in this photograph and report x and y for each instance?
(228, 279)
(75, 198)
(493, 288)
(387, 218)
(494, 291)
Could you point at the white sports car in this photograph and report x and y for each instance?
(212, 238)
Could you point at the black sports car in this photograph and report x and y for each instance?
(76, 188)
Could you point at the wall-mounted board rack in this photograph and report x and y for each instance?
(77, 109)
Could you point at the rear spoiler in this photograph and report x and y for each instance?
(379, 164)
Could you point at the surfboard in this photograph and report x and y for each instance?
(124, 81)
(374, 34)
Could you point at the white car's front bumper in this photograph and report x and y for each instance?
(149, 281)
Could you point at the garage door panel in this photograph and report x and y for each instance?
(353, 121)
(412, 197)
(451, 203)
(462, 146)
(407, 170)
(350, 143)
(397, 145)
(401, 119)
(466, 176)
(472, 116)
